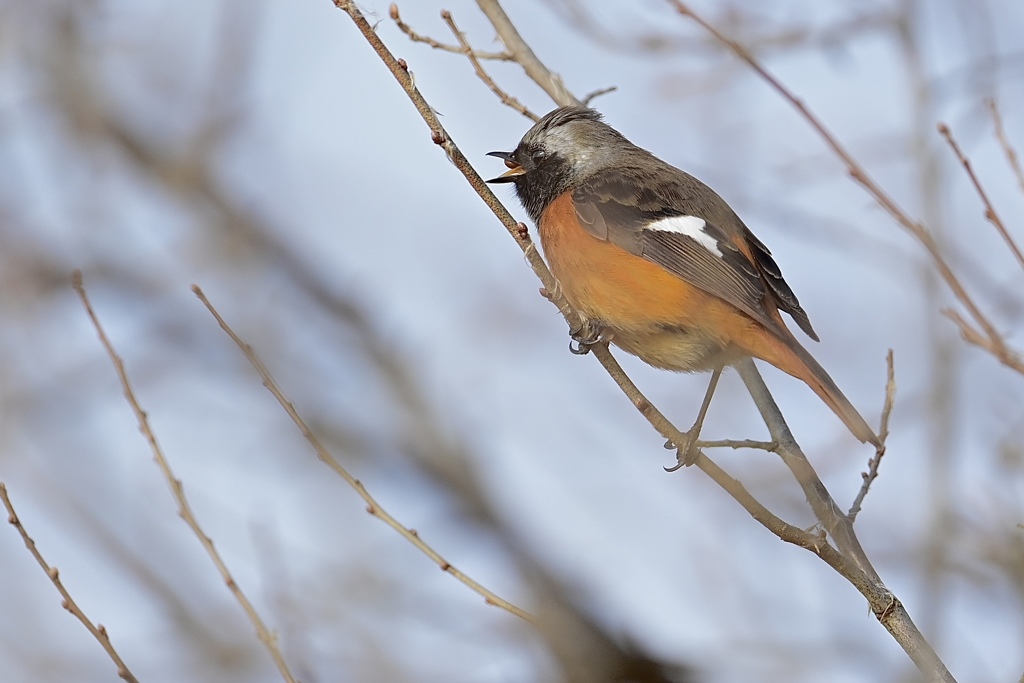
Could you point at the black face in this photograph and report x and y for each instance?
(540, 166)
(525, 159)
(539, 176)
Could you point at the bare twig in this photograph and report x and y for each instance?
(876, 459)
(440, 137)
(437, 45)
(1004, 142)
(839, 526)
(266, 636)
(661, 424)
(591, 96)
(990, 211)
(997, 347)
(523, 55)
(893, 616)
(855, 170)
(372, 506)
(467, 50)
(825, 509)
(884, 605)
(98, 631)
(770, 446)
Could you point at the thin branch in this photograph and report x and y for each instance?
(660, 423)
(890, 395)
(266, 636)
(457, 49)
(467, 50)
(855, 170)
(523, 55)
(825, 509)
(990, 211)
(440, 137)
(997, 347)
(591, 96)
(372, 506)
(770, 446)
(883, 434)
(98, 631)
(893, 617)
(884, 605)
(1004, 142)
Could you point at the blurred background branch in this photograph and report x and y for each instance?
(254, 147)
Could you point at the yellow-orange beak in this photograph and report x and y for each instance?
(514, 169)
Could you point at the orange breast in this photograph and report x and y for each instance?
(606, 282)
(665, 320)
(641, 303)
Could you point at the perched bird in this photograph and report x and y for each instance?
(655, 260)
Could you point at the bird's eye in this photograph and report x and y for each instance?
(538, 156)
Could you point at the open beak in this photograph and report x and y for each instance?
(514, 169)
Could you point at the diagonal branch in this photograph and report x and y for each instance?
(467, 50)
(997, 347)
(98, 631)
(372, 506)
(892, 616)
(266, 636)
(852, 566)
(523, 54)
(444, 47)
(440, 137)
(1004, 142)
(990, 211)
(883, 433)
(831, 517)
(856, 171)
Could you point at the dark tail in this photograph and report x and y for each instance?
(793, 359)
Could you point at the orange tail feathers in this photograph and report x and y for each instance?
(793, 359)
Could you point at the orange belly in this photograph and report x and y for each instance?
(666, 321)
(651, 313)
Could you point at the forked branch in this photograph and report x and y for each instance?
(850, 562)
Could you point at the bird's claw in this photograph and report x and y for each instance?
(686, 454)
(584, 337)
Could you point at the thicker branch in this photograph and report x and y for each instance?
(831, 517)
(481, 73)
(550, 82)
(884, 605)
(893, 616)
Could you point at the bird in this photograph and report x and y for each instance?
(656, 262)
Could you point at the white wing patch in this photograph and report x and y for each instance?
(691, 226)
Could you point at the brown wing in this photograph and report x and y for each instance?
(644, 216)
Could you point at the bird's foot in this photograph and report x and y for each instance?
(588, 334)
(686, 454)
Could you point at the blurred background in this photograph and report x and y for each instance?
(260, 149)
